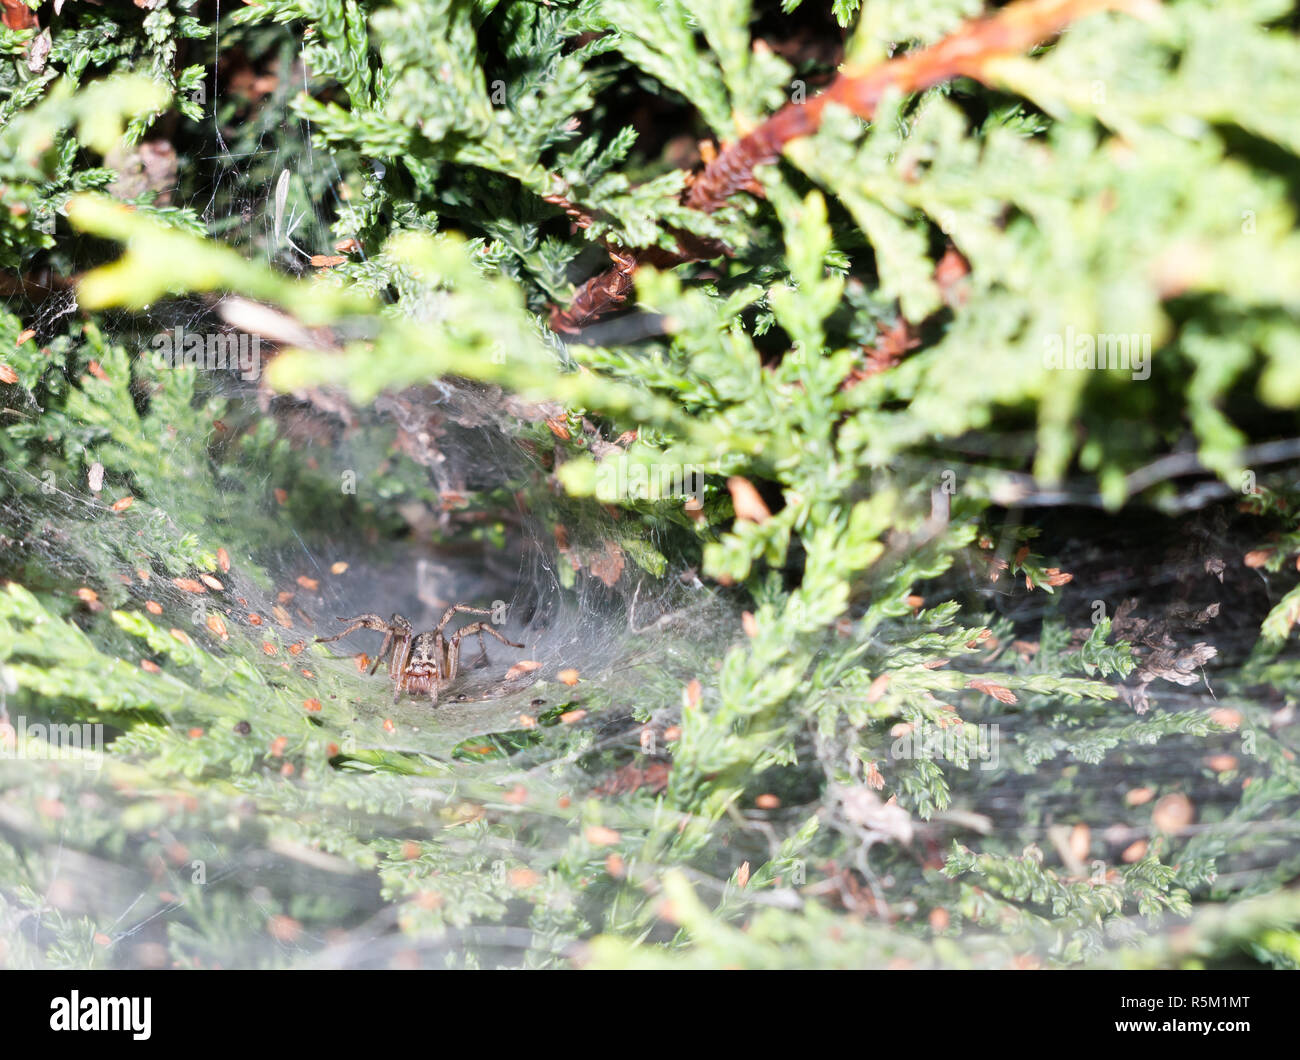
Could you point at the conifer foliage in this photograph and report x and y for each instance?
(878, 420)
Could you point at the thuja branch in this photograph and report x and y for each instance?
(971, 51)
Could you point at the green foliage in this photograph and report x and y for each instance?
(876, 620)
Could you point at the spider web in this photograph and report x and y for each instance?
(262, 186)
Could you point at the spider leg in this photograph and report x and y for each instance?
(453, 655)
(484, 627)
(457, 609)
(397, 665)
(367, 621)
(383, 650)
(475, 627)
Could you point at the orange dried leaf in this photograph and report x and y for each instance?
(122, 504)
(1173, 813)
(188, 585)
(745, 499)
(998, 692)
(567, 677)
(223, 560)
(600, 836)
(1134, 852)
(283, 928)
(526, 666)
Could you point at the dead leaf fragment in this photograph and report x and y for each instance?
(745, 499)
(283, 928)
(1135, 851)
(525, 666)
(998, 692)
(608, 566)
(1173, 813)
(600, 836)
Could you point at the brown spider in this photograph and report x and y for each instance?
(421, 662)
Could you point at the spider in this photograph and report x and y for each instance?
(421, 662)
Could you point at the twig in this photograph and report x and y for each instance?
(967, 52)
